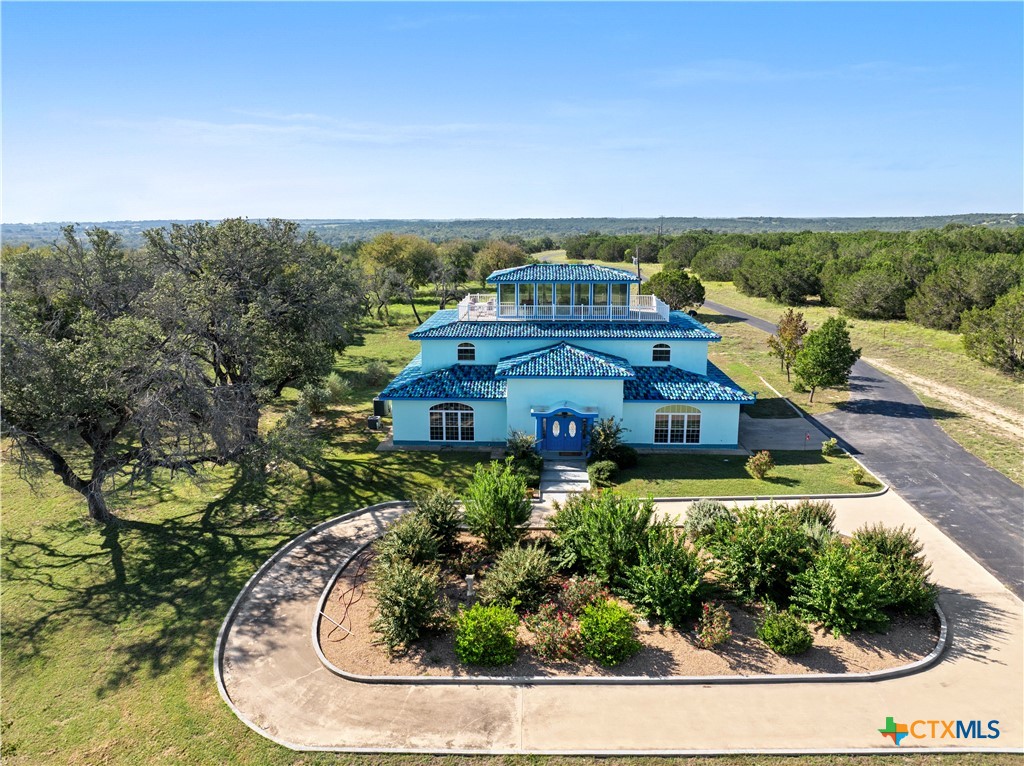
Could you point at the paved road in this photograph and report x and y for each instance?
(891, 432)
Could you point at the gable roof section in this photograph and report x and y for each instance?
(564, 361)
(671, 384)
(446, 324)
(562, 272)
(460, 381)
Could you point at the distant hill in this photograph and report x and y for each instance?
(341, 230)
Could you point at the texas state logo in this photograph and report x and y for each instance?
(935, 729)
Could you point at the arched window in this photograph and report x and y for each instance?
(467, 352)
(662, 353)
(451, 422)
(677, 424)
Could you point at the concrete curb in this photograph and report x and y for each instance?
(877, 675)
(229, 619)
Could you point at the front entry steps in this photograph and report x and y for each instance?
(562, 475)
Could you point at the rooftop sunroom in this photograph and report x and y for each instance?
(563, 292)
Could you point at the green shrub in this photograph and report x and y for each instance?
(519, 576)
(841, 590)
(904, 573)
(762, 552)
(409, 537)
(486, 635)
(608, 632)
(407, 601)
(760, 464)
(818, 535)
(580, 592)
(704, 517)
(605, 439)
(784, 632)
(441, 511)
(496, 505)
(601, 533)
(315, 398)
(526, 461)
(821, 511)
(556, 637)
(830, 447)
(668, 580)
(376, 373)
(338, 388)
(625, 456)
(714, 626)
(601, 473)
(857, 474)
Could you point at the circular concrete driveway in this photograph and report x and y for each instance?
(268, 672)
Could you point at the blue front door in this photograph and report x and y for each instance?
(565, 432)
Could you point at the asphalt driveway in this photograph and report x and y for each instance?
(885, 425)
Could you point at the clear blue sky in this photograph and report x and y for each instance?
(201, 110)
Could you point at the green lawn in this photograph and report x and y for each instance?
(932, 354)
(108, 634)
(796, 473)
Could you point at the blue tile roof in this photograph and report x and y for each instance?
(671, 384)
(564, 361)
(446, 324)
(562, 272)
(461, 381)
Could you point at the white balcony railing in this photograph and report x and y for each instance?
(485, 308)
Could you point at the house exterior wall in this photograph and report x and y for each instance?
(525, 394)
(410, 420)
(689, 355)
(719, 424)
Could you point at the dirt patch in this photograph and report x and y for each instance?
(666, 651)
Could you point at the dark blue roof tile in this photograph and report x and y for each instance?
(671, 384)
(562, 272)
(446, 324)
(461, 381)
(564, 361)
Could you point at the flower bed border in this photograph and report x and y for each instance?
(871, 676)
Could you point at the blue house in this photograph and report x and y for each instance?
(555, 348)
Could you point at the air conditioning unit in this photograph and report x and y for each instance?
(380, 407)
(373, 422)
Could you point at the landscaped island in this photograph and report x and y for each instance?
(607, 589)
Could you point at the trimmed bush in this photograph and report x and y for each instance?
(486, 635)
(784, 632)
(820, 511)
(526, 461)
(601, 473)
(407, 601)
(580, 592)
(601, 533)
(625, 456)
(763, 551)
(904, 572)
(556, 636)
(841, 590)
(668, 580)
(409, 537)
(704, 517)
(608, 632)
(760, 464)
(714, 627)
(857, 474)
(496, 505)
(519, 576)
(440, 509)
(830, 447)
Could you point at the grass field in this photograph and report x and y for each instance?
(796, 473)
(931, 355)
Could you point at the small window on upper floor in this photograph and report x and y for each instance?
(662, 353)
(467, 352)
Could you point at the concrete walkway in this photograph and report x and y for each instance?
(268, 672)
(561, 476)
